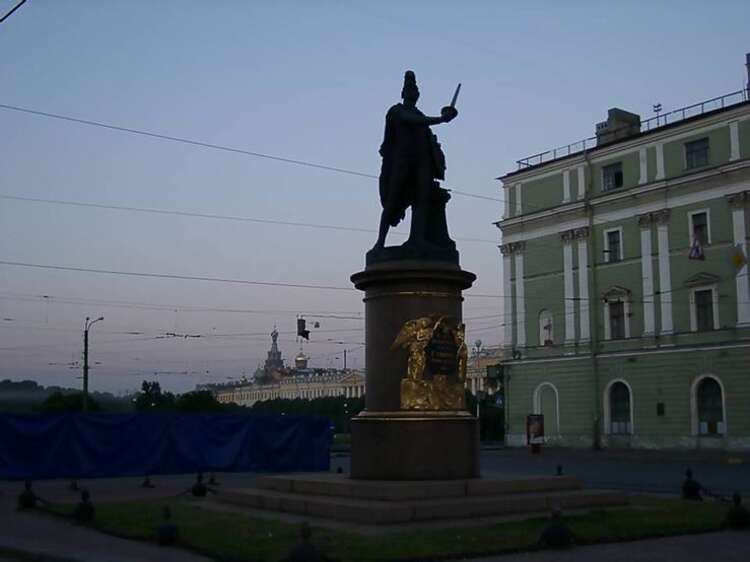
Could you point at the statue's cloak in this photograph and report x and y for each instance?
(406, 145)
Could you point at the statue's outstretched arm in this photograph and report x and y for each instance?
(415, 119)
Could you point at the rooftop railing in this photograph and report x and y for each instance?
(659, 120)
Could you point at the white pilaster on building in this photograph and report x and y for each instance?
(643, 162)
(737, 203)
(570, 304)
(507, 296)
(520, 296)
(581, 175)
(647, 273)
(659, 161)
(665, 277)
(566, 186)
(519, 205)
(734, 140)
(584, 331)
(506, 194)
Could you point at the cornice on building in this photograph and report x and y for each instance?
(573, 213)
(688, 126)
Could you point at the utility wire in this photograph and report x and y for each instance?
(198, 278)
(6, 16)
(213, 146)
(282, 284)
(175, 276)
(211, 215)
(53, 299)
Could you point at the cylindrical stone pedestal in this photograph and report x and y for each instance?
(388, 443)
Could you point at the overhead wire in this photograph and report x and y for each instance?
(213, 146)
(167, 307)
(6, 16)
(197, 278)
(212, 216)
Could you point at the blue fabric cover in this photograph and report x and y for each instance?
(105, 445)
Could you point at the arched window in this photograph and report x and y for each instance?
(619, 409)
(546, 328)
(546, 402)
(710, 407)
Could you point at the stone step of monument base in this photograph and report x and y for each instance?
(327, 484)
(385, 503)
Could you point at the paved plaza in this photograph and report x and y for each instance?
(659, 472)
(656, 472)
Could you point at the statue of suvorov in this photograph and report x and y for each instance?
(412, 162)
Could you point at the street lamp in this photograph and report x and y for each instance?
(86, 327)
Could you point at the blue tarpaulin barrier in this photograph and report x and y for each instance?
(107, 445)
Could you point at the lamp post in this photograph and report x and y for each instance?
(86, 327)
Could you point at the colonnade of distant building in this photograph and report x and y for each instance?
(347, 385)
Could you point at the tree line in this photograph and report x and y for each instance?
(30, 397)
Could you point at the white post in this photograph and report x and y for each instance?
(734, 141)
(566, 186)
(508, 296)
(581, 182)
(570, 305)
(659, 162)
(737, 204)
(665, 278)
(519, 206)
(647, 273)
(643, 166)
(583, 284)
(520, 298)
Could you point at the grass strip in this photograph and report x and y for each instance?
(234, 537)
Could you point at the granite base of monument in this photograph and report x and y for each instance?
(415, 446)
(393, 440)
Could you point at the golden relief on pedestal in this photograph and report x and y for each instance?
(436, 365)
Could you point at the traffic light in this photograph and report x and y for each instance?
(301, 331)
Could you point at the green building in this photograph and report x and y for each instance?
(627, 308)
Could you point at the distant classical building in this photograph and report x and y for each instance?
(275, 380)
(480, 377)
(626, 283)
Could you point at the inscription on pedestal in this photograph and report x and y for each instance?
(436, 364)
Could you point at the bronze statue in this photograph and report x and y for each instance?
(412, 162)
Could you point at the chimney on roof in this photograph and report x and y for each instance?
(620, 124)
(747, 67)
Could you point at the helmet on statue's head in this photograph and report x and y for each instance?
(410, 90)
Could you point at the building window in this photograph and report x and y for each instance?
(617, 320)
(696, 153)
(612, 176)
(710, 407)
(613, 245)
(546, 328)
(704, 309)
(619, 409)
(616, 313)
(699, 227)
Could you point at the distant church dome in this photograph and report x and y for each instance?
(300, 361)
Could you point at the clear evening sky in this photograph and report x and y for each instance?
(303, 80)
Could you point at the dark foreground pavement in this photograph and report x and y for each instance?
(728, 546)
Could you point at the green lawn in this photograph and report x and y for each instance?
(234, 537)
(342, 438)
